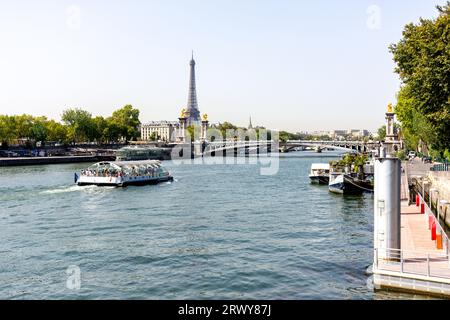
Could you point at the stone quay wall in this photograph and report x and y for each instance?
(441, 181)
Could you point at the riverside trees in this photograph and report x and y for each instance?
(77, 126)
(423, 64)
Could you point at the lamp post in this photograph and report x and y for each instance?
(183, 122)
(205, 125)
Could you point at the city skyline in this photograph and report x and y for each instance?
(291, 66)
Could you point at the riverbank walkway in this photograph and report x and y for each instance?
(421, 265)
(415, 232)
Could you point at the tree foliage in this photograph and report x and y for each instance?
(79, 123)
(77, 126)
(382, 133)
(423, 64)
(223, 127)
(194, 132)
(127, 122)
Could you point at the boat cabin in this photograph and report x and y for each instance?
(122, 173)
(320, 169)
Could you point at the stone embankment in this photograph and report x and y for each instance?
(440, 180)
(29, 161)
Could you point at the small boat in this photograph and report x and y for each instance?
(320, 173)
(347, 184)
(336, 183)
(123, 173)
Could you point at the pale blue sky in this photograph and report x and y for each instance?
(294, 65)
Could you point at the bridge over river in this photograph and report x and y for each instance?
(233, 147)
(349, 146)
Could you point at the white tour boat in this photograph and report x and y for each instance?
(123, 173)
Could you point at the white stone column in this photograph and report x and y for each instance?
(205, 126)
(182, 133)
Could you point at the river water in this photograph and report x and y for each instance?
(216, 232)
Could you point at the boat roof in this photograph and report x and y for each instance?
(320, 166)
(128, 163)
(136, 163)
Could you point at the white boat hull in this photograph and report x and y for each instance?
(121, 181)
(336, 183)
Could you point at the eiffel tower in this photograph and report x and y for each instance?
(192, 112)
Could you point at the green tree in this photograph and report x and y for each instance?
(22, 126)
(38, 130)
(382, 133)
(154, 136)
(415, 126)
(7, 131)
(127, 120)
(57, 131)
(285, 136)
(447, 154)
(31, 129)
(112, 131)
(223, 127)
(194, 131)
(79, 122)
(99, 129)
(423, 63)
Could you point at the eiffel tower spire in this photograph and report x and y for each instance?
(192, 112)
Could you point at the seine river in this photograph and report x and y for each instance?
(216, 232)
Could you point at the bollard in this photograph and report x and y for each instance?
(439, 239)
(417, 200)
(422, 208)
(433, 231)
(430, 222)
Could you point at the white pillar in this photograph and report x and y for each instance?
(204, 129)
(182, 133)
(387, 216)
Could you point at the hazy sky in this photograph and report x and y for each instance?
(295, 65)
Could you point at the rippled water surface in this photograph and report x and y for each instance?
(216, 232)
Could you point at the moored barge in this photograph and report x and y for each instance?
(349, 184)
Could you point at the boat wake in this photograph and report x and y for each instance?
(173, 181)
(69, 189)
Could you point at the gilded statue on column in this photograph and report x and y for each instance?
(390, 108)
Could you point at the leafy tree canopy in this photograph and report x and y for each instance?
(423, 64)
(127, 120)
